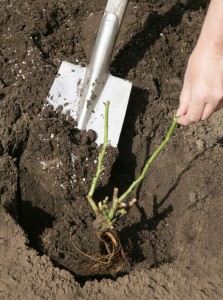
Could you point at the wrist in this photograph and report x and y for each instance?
(209, 41)
(212, 29)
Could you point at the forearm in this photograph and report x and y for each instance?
(212, 30)
(202, 93)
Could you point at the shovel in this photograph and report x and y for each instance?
(82, 91)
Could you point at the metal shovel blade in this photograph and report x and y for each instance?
(82, 91)
(66, 92)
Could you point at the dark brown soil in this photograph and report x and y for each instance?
(172, 237)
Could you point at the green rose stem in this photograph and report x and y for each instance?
(100, 161)
(119, 200)
(110, 214)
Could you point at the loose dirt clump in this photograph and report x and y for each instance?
(171, 240)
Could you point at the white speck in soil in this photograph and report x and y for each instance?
(73, 157)
(63, 187)
(43, 164)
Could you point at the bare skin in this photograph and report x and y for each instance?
(202, 92)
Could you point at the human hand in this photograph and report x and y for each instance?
(202, 92)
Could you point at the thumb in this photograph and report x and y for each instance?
(184, 103)
(182, 110)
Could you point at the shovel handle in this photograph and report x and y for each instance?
(117, 7)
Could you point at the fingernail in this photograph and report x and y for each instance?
(178, 113)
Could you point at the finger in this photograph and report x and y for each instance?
(195, 110)
(182, 110)
(208, 111)
(184, 120)
(184, 101)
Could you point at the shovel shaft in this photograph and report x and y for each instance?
(107, 35)
(117, 7)
(105, 41)
(98, 69)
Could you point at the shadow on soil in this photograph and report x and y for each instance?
(135, 49)
(34, 221)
